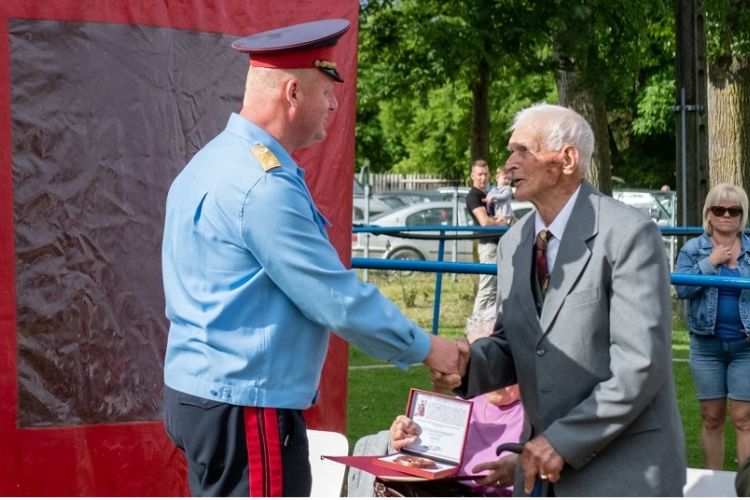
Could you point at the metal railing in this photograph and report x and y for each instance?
(439, 266)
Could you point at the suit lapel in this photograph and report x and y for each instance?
(521, 267)
(574, 253)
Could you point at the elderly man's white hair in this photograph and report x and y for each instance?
(480, 324)
(556, 127)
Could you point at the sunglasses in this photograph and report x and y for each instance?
(720, 211)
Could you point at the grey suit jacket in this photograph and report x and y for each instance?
(595, 367)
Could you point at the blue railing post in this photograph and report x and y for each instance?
(438, 286)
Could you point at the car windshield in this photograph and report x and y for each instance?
(666, 200)
(379, 216)
(358, 190)
(431, 217)
(656, 204)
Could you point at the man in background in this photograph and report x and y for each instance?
(253, 286)
(486, 246)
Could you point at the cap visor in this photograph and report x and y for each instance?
(333, 73)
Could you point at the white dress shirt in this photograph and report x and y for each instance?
(557, 228)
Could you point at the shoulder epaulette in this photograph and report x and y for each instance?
(266, 158)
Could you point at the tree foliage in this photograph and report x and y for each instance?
(421, 60)
(727, 30)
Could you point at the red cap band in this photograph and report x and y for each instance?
(291, 60)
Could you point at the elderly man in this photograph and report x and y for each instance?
(584, 326)
(253, 285)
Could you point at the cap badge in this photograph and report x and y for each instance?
(325, 64)
(265, 157)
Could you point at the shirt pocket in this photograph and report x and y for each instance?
(582, 297)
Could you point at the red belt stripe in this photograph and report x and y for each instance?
(263, 452)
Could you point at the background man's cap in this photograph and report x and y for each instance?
(306, 45)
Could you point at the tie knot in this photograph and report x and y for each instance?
(543, 237)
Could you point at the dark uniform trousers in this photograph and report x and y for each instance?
(238, 450)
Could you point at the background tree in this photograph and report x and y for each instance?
(410, 48)
(728, 48)
(425, 104)
(649, 154)
(599, 49)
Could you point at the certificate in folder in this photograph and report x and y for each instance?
(443, 423)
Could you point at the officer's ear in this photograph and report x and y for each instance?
(291, 92)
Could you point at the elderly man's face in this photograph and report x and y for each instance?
(535, 171)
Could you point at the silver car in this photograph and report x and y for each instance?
(361, 204)
(434, 213)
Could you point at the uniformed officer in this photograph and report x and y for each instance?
(253, 286)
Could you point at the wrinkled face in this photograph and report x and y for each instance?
(316, 101)
(480, 176)
(535, 171)
(725, 223)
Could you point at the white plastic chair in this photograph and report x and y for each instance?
(709, 483)
(327, 475)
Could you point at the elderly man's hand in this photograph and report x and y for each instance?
(446, 380)
(540, 458)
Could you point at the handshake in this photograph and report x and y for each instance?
(447, 361)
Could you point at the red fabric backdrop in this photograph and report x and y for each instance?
(81, 317)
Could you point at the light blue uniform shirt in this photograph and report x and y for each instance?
(253, 285)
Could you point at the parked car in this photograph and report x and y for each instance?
(520, 208)
(360, 203)
(434, 213)
(659, 205)
(448, 192)
(401, 198)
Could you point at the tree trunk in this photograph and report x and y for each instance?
(480, 114)
(591, 107)
(729, 122)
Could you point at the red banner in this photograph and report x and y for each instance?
(103, 103)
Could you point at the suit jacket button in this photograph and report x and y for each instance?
(540, 351)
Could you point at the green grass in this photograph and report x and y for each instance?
(376, 395)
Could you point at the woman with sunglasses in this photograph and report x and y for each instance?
(719, 322)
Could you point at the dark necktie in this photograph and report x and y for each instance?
(542, 270)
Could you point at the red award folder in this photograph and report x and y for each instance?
(443, 422)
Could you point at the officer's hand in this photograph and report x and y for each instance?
(446, 381)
